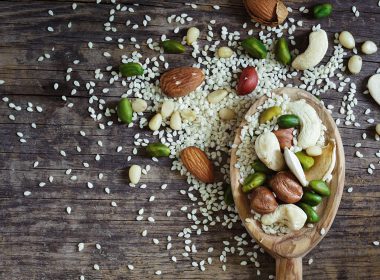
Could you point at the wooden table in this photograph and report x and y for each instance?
(38, 239)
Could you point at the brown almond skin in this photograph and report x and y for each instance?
(285, 137)
(181, 81)
(268, 12)
(263, 201)
(286, 187)
(198, 164)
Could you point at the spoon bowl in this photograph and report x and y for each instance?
(289, 249)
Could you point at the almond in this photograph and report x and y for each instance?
(181, 81)
(198, 164)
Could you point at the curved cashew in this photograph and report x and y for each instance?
(311, 124)
(288, 214)
(318, 44)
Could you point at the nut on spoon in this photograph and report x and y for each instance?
(289, 249)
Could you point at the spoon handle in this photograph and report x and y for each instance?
(288, 269)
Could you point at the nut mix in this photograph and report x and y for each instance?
(295, 143)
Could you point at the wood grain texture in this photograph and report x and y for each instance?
(38, 240)
(289, 269)
(298, 243)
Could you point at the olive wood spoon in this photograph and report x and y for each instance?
(289, 249)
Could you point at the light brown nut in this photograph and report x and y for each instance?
(139, 105)
(198, 164)
(285, 137)
(176, 121)
(188, 115)
(155, 122)
(263, 201)
(181, 81)
(227, 114)
(286, 187)
(167, 108)
(225, 52)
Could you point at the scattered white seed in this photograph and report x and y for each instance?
(80, 246)
(27, 193)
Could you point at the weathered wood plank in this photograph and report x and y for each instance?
(38, 239)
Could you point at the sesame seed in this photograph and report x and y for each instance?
(80, 246)
(27, 193)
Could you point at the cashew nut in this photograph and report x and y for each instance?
(288, 214)
(268, 150)
(295, 166)
(311, 124)
(318, 44)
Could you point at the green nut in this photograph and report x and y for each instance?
(131, 69)
(259, 166)
(172, 46)
(311, 198)
(158, 150)
(253, 181)
(322, 10)
(228, 198)
(282, 51)
(269, 114)
(124, 110)
(306, 161)
(320, 187)
(288, 121)
(312, 216)
(254, 48)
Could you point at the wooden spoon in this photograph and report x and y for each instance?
(289, 249)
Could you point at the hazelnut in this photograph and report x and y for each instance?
(263, 201)
(286, 187)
